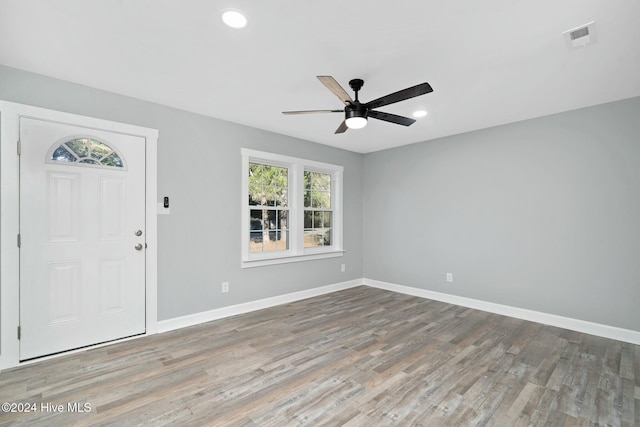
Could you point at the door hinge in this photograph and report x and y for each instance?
(19, 149)
(19, 240)
(19, 332)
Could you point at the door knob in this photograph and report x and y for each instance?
(138, 233)
(138, 247)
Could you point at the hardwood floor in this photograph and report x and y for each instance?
(359, 357)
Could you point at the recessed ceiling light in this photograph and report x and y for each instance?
(419, 113)
(234, 18)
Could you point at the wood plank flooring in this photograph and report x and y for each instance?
(359, 357)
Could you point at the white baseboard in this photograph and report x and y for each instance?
(584, 326)
(591, 328)
(233, 310)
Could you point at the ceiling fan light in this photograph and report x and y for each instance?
(356, 122)
(234, 18)
(419, 113)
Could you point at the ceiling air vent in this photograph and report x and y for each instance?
(581, 36)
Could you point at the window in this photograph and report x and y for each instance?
(317, 209)
(291, 209)
(84, 151)
(268, 189)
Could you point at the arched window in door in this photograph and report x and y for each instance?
(85, 151)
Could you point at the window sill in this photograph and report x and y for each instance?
(295, 258)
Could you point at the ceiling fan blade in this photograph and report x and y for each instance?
(387, 117)
(335, 87)
(342, 128)
(401, 95)
(312, 111)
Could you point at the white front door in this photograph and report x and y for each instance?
(82, 232)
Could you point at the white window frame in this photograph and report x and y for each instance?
(296, 252)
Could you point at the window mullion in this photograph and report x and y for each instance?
(297, 190)
(336, 208)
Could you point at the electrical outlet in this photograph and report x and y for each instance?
(343, 268)
(449, 277)
(225, 287)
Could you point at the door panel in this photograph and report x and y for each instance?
(111, 281)
(82, 281)
(63, 207)
(63, 291)
(112, 202)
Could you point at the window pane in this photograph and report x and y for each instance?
(276, 176)
(320, 199)
(255, 195)
(308, 238)
(318, 219)
(327, 237)
(307, 180)
(99, 150)
(282, 240)
(282, 197)
(279, 196)
(307, 199)
(327, 218)
(113, 160)
(322, 182)
(282, 219)
(278, 240)
(63, 155)
(317, 181)
(271, 196)
(79, 146)
(308, 219)
(255, 245)
(271, 215)
(255, 174)
(256, 219)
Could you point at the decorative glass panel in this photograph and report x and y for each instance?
(86, 151)
(79, 146)
(113, 160)
(61, 154)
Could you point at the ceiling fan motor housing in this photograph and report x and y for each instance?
(355, 110)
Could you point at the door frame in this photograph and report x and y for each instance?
(10, 114)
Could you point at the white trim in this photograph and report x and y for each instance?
(577, 325)
(233, 310)
(10, 114)
(291, 258)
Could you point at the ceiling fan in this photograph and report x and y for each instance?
(356, 112)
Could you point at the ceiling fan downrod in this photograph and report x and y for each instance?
(356, 85)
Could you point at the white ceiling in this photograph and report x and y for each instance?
(489, 62)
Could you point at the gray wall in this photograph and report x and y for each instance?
(199, 165)
(542, 214)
